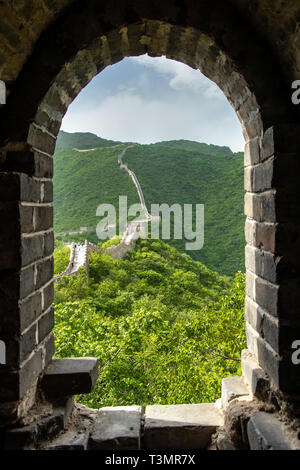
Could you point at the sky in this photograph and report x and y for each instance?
(147, 100)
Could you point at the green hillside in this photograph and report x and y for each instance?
(180, 172)
(82, 181)
(173, 175)
(197, 146)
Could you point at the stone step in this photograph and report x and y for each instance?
(70, 376)
(42, 428)
(233, 387)
(117, 428)
(30, 436)
(181, 426)
(73, 439)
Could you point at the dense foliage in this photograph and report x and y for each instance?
(159, 322)
(180, 172)
(61, 258)
(190, 176)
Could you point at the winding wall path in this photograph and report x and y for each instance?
(79, 258)
(134, 179)
(134, 229)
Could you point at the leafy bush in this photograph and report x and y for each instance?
(61, 258)
(162, 334)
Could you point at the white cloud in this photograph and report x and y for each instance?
(180, 76)
(157, 99)
(130, 116)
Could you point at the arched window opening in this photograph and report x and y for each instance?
(161, 303)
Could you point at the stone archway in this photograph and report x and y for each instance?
(85, 39)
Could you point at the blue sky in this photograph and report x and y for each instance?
(146, 100)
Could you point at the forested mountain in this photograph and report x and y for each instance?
(82, 140)
(175, 172)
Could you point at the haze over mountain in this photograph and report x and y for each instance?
(174, 172)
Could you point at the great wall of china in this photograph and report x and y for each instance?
(79, 254)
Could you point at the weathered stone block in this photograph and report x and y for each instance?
(180, 426)
(262, 263)
(262, 235)
(73, 439)
(49, 119)
(47, 192)
(43, 218)
(48, 349)
(30, 189)
(259, 178)
(21, 187)
(254, 376)
(283, 372)
(32, 249)
(266, 432)
(281, 138)
(261, 207)
(27, 281)
(266, 325)
(30, 371)
(45, 324)
(21, 438)
(117, 428)
(50, 426)
(43, 165)
(28, 437)
(27, 219)
(232, 387)
(48, 243)
(30, 309)
(264, 293)
(44, 272)
(70, 376)
(41, 140)
(48, 295)
(252, 152)
(27, 342)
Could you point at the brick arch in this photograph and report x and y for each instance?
(81, 43)
(215, 38)
(156, 38)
